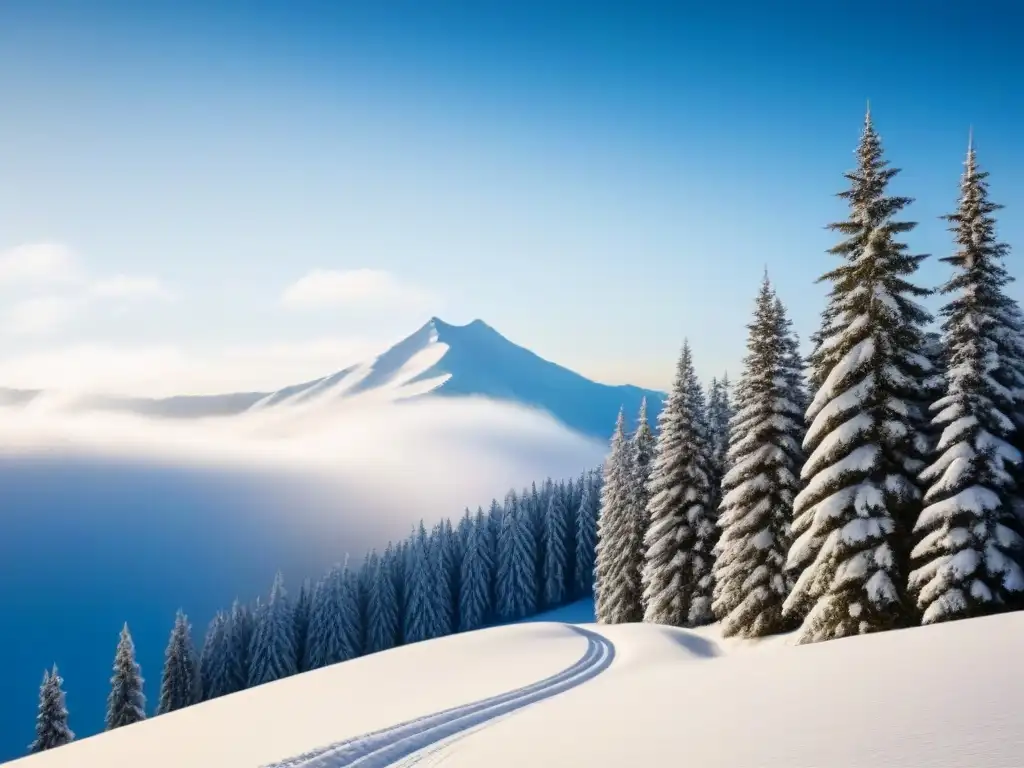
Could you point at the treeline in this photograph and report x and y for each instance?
(876, 485)
(533, 552)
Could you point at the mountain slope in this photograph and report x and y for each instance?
(439, 359)
(938, 696)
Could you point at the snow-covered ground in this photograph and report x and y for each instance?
(631, 695)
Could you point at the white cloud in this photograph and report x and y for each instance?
(58, 268)
(39, 264)
(125, 287)
(162, 371)
(38, 316)
(352, 288)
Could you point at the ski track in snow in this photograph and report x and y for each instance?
(390, 745)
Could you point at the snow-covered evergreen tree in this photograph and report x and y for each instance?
(272, 652)
(765, 455)
(867, 431)
(303, 605)
(382, 616)
(617, 590)
(52, 721)
(556, 559)
(967, 561)
(178, 685)
(126, 703)
(335, 633)
(677, 575)
(213, 658)
(475, 606)
(237, 639)
(719, 409)
(442, 560)
(586, 536)
(420, 621)
(642, 447)
(516, 582)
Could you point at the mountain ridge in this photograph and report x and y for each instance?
(439, 359)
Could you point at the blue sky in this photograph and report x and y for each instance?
(596, 181)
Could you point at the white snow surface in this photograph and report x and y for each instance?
(945, 695)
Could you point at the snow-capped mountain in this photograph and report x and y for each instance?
(439, 359)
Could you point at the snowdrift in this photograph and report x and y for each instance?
(947, 695)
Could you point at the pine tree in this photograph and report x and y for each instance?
(475, 606)
(617, 590)
(586, 536)
(237, 639)
(719, 408)
(420, 620)
(334, 620)
(178, 685)
(556, 558)
(679, 541)
(442, 562)
(272, 653)
(382, 616)
(967, 561)
(302, 607)
(516, 582)
(52, 721)
(126, 703)
(213, 658)
(642, 447)
(765, 454)
(867, 432)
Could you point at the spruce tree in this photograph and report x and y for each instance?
(516, 581)
(237, 639)
(213, 658)
(617, 590)
(302, 607)
(642, 446)
(677, 579)
(719, 408)
(967, 559)
(751, 582)
(272, 652)
(586, 536)
(126, 703)
(52, 721)
(382, 615)
(420, 620)
(556, 558)
(334, 626)
(442, 561)
(867, 432)
(475, 605)
(178, 685)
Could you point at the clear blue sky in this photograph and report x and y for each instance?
(594, 181)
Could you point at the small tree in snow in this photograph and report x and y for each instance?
(475, 606)
(302, 608)
(586, 536)
(516, 593)
(178, 686)
(967, 561)
(237, 639)
(719, 413)
(213, 658)
(678, 560)
(126, 703)
(334, 620)
(382, 617)
(617, 592)
(272, 654)
(420, 621)
(52, 721)
(556, 557)
(751, 582)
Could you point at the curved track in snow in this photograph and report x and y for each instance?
(387, 746)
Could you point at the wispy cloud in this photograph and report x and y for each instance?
(39, 264)
(161, 371)
(39, 316)
(69, 288)
(356, 288)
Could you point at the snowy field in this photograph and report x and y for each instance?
(551, 693)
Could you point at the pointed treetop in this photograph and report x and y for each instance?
(867, 114)
(643, 409)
